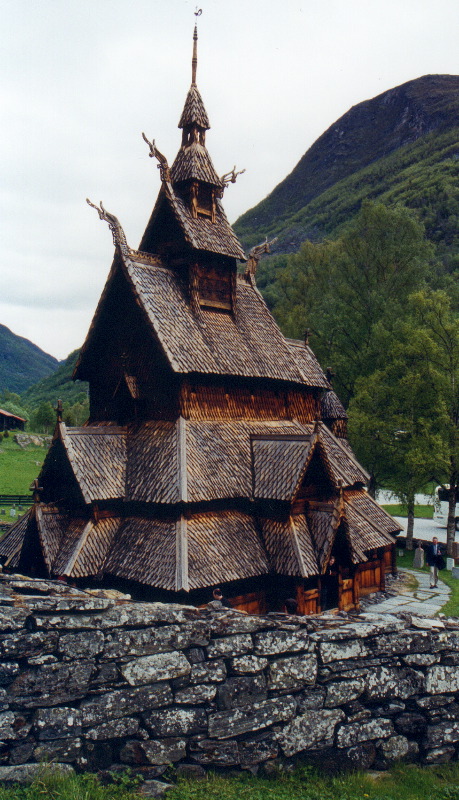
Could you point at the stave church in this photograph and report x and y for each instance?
(216, 450)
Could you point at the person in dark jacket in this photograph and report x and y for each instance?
(432, 555)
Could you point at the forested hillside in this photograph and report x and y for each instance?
(37, 404)
(402, 146)
(22, 363)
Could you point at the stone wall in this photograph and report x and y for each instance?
(97, 682)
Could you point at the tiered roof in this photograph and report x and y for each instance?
(177, 500)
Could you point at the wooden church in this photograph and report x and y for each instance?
(215, 451)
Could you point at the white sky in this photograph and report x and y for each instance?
(80, 80)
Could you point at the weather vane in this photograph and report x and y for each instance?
(198, 12)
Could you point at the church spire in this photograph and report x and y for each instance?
(194, 60)
(194, 113)
(193, 162)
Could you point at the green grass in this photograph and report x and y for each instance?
(451, 609)
(400, 510)
(18, 467)
(402, 783)
(407, 782)
(53, 786)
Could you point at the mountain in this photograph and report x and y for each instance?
(401, 146)
(22, 363)
(57, 386)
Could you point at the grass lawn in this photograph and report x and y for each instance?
(18, 466)
(451, 609)
(399, 510)
(401, 783)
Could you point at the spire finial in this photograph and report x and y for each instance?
(194, 60)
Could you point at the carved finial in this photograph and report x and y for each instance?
(119, 239)
(59, 410)
(307, 333)
(36, 489)
(230, 177)
(163, 166)
(254, 256)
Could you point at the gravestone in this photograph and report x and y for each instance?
(418, 561)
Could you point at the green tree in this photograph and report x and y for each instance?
(392, 427)
(405, 418)
(351, 292)
(44, 418)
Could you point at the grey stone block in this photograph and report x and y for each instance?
(230, 646)
(57, 723)
(87, 644)
(340, 692)
(311, 731)
(442, 679)
(176, 721)
(67, 750)
(226, 724)
(241, 691)
(115, 729)
(215, 753)
(208, 672)
(52, 684)
(124, 702)
(350, 735)
(148, 641)
(150, 669)
(271, 643)
(161, 751)
(293, 672)
(248, 664)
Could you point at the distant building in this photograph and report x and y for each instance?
(10, 422)
(215, 451)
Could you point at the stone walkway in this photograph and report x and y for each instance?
(422, 601)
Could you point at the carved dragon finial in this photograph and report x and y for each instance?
(230, 177)
(254, 256)
(163, 166)
(119, 239)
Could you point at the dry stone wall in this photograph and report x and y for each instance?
(100, 683)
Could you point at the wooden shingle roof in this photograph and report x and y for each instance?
(193, 162)
(205, 548)
(331, 406)
(307, 363)
(223, 546)
(11, 541)
(289, 546)
(199, 460)
(144, 550)
(98, 459)
(343, 467)
(194, 112)
(248, 344)
(200, 234)
(278, 466)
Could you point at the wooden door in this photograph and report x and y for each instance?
(346, 594)
(253, 603)
(308, 600)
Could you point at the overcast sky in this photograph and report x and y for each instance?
(81, 79)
